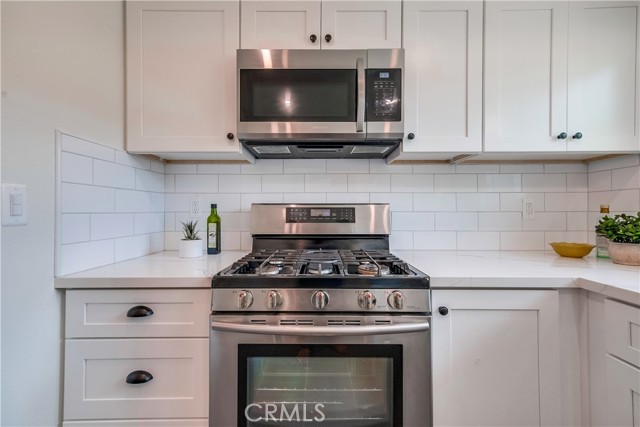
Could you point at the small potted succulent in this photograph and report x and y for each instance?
(623, 233)
(191, 244)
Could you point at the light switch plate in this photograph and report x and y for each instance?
(14, 204)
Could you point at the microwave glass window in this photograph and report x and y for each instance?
(298, 95)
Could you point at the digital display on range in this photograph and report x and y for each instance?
(320, 215)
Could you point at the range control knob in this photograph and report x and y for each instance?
(244, 300)
(367, 300)
(396, 300)
(274, 300)
(319, 300)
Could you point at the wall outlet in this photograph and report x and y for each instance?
(528, 209)
(194, 208)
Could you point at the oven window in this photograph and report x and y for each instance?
(298, 95)
(320, 385)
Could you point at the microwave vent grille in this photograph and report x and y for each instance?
(370, 149)
(272, 149)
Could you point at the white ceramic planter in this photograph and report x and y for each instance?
(624, 253)
(190, 248)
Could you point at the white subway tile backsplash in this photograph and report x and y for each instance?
(246, 241)
(204, 183)
(305, 198)
(564, 236)
(149, 181)
(565, 168)
(75, 228)
(156, 202)
(476, 202)
(283, 184)
(230, 241)
(618, 201)
(156, 242)
(78, 198)
(546, 221)
(83, 256)
(247, 199)
(169, 183)
(434, 168)
(434, 240)
(75, 168)
(397, 201)
(600, 181)
(218, 169)
(176, 202)
(616, 163)
(239, 183)
(455, 183)
(577, 221)
(132, 247)
(347, 166)
(522, 168)
(348, 198)
(544, 183)
(107, 174)
(477, 241)
(458, 221)
(157, 167)
(400, 240)
(315, 183)
(133, 201)
(83, 147)
(169, 221)
(434, 202)
(566, 202)
(132, 161)
(477, 168)
(512, 202)
(180, 168)
(224, 202)
(172, 240)
(499, 183)
(414, 183)
(577, 182)
(625, 178)
(500, 221)
(234, 221)
(148, 223)
(381, 166)
(522, 241)
(262, 167)
(372, 183)
(110, 226)
(409, 221)
(305, 166)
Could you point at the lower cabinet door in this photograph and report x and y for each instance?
(623, 393)
(495, 358)
(136, 378)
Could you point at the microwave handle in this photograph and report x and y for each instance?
(361, 95)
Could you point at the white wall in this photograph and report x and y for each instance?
(62, 67)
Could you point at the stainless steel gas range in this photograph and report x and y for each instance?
(320, 325)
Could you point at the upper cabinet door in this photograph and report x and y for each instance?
(603, 76)
(181, 76)
(525, 76)
(443, 76)
(280, 25)
(361, 24)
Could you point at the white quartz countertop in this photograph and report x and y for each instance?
(447, 269)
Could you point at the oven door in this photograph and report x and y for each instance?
(334, 371)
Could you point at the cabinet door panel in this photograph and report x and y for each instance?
(495, 358)
(443, 76)
(603, 76)
(280, 24)
(362, 24)
(181, 93)
(525, 76)
(623, 393)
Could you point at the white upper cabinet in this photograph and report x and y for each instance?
(323, 24)
(181, 78)
(561, 76)
(443, 76)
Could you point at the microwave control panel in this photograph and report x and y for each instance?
(384, 95)
(320, 215)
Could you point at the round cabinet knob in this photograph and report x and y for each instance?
(367, 300)
(396, 300)
(411, 136)
(230, 136)
(274, 300)
(577, 136)
(563, 135)
(313, 38)
(319, 300)
(443, 311)
(327, 38)
(245, 299)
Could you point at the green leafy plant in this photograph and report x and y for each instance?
(621, 228)
(189, 230)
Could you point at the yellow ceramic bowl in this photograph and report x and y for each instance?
(572, 250)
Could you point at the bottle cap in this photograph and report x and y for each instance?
(214, 205)
(604, 208)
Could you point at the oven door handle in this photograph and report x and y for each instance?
(401, 328)
(361, 95)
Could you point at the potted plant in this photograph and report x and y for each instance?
(191, 244)
(623, 233)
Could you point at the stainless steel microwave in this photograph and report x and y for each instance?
(320, 103)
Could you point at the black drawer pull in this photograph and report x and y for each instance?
(139, 311)
(139, 377)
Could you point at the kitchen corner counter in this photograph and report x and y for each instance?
(447, 269)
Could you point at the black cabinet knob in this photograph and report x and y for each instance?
(443, 311)
(139, 377)
(230, 136)
(577, 136)
(411, 136)
(327, 38)
(563, 135)
(139, 311)
(313, 38)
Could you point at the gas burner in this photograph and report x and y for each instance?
(368, 269)
(269, 269)
(320, 268)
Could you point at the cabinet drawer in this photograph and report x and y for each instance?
(623, 394)
(622, 329)
(96, 371)
(159, 313)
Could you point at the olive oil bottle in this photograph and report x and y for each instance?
(213, 231)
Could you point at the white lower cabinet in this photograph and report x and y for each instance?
(496, 358)
(119, 370)
(623, 393)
